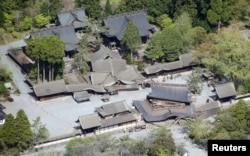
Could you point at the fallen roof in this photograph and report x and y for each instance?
(50, 88)
(103, 53)
(118, 23)
(130, 76)
(65, 33)
(119, 120)
(170, 92)
(112, 108)
(114, 66)
(207, 110)
(151, 115)
(104, 79)
(122, 87)
(82, 87)
(76, 17)
(185, 60)
(89, 121)
(225, 90)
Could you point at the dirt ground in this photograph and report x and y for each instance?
(68, 4)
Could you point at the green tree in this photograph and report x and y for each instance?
(164, 21)
(8, 132)
(92, 7)
(23, 131)
(194, 82)
(75, 145)
(220, 11)
(51, 8)
(80, 62)
(131, 37)
(41, 20)
(154, 50)
(35, 50)
(188, 6)
(172, 44)
(162, 144)
(229, 53)
(108, 8)
(27, 23)
(40, 132)
(54, 51)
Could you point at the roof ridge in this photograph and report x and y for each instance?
(125, 14)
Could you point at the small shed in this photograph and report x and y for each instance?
(225, 91)
(81, 96)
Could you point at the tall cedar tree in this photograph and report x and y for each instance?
(108, 9)
(8, 132)
(131, 37)
(24, 134)
(92, 7)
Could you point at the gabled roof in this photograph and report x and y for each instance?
(151, 115)
(89, 121)
(76, 17)
(117, 24)
(170, 92)
(130, 76)
(114, 66)
(50, 88)
(104, 79)
(104, 53)
(65, 33)
(185, 60)
(225, 90)
(113, 108)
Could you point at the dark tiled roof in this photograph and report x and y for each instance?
(170, 92)
(119, 120)
(113, 66)
(89, 121)
(103, 53)
(225, 90)
(2, 115)
(76, 17)
(65, 33)
(112, 108)
(151, 115)
(185, 60)
(117, 24)
(130, 76)
(50, 88)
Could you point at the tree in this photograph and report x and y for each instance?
(51, 8)
(92, 8)
(40, 132)
(75, 145)
(131, 37)
(8, 132)
(229, 53)
(27, 23)
(23, 131)
(154, 50)
(42, 20)
(172, 44)
(162, 144)
(220, 11)
(164, 21)
(108, 8)
(35, 50)
(80, 62)
(54, 52)
(194, 82)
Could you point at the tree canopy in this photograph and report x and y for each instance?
(228, 53)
